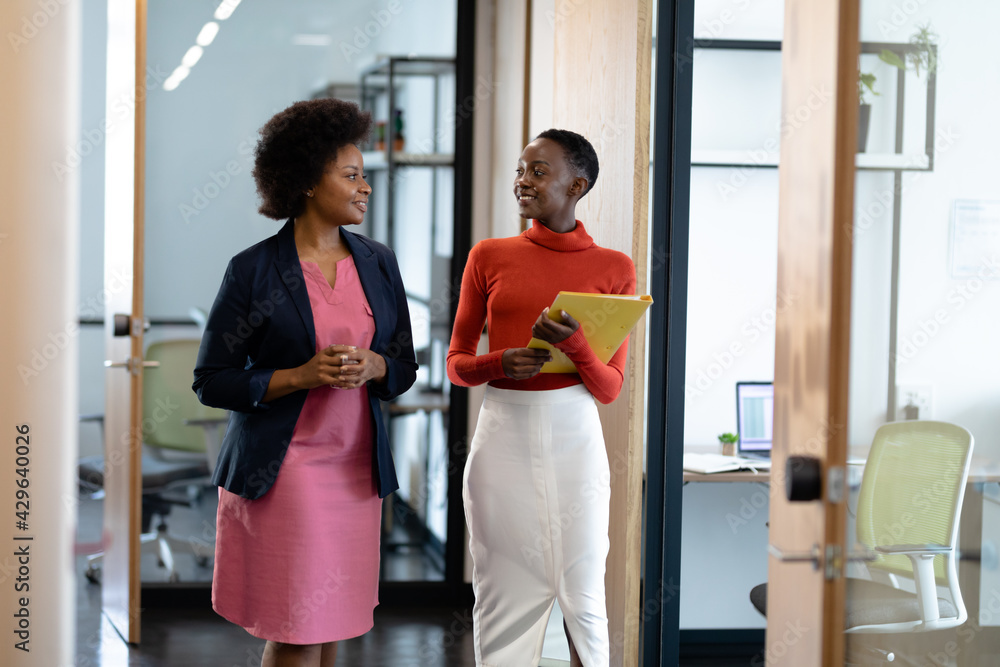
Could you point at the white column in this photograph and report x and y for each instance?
(39, 119)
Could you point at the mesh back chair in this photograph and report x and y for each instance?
(181, 445)
(908, 514)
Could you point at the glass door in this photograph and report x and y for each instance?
(923, 578)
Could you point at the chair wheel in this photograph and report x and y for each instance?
(202, 561)
(93, 574)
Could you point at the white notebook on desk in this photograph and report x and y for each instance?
(708, 463)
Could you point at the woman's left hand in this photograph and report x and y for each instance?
(358, 366)
(551, 331)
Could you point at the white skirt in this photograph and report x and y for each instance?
(537, 496)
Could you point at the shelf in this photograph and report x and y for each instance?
(893, 161)
(379, 159)
(404, 66)
(862, 161)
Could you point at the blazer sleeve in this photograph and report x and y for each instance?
(221, 378)
(400, 360)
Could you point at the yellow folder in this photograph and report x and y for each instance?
(606, 320)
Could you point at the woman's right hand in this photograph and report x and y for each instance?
(324, 368)
(521, 363)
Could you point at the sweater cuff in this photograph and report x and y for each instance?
(491, 365)
(575, 345)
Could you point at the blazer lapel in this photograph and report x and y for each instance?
(366, 263)
(290, 271)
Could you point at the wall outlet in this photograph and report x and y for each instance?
(914, 401)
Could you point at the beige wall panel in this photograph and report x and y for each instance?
(39, 246)
(601, 75)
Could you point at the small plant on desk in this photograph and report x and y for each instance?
(728, 441)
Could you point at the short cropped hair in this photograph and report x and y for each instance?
(296, 146)
(580, 154)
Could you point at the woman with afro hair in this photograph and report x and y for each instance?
(536, 484)
(309, 332)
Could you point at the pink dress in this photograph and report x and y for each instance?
(300, 564)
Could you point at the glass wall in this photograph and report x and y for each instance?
(926, 281)
(216, 74)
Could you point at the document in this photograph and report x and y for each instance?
(606, 320)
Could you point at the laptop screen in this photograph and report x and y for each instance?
(754, 416)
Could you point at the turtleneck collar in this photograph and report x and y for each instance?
(578, 239)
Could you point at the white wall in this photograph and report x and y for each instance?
(959, 359)
(734, 218)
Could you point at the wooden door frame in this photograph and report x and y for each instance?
(120, 589)
(812, 340)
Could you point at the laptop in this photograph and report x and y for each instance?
(754, 419)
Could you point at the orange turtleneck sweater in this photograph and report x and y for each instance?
(508, 282)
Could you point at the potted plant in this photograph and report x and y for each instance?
(728, 441)
(923, 58)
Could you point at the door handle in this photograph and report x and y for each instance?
(814, 555)
(132, 364)
(125, 326)
(803, 478)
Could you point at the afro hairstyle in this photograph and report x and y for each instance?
(296, 146)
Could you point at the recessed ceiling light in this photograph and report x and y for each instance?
(192, 56)
(176, 77)
(207, 34)
(226, 9)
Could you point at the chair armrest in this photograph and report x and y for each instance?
(913, 549)
(922, 558)
(213, 439)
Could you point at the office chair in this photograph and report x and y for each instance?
(180, 448)
(908, 516)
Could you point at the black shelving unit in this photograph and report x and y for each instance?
(382, 90)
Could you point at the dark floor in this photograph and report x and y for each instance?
(195, 636)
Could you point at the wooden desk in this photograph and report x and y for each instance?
(764, 476)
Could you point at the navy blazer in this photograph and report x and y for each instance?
(262, 321)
